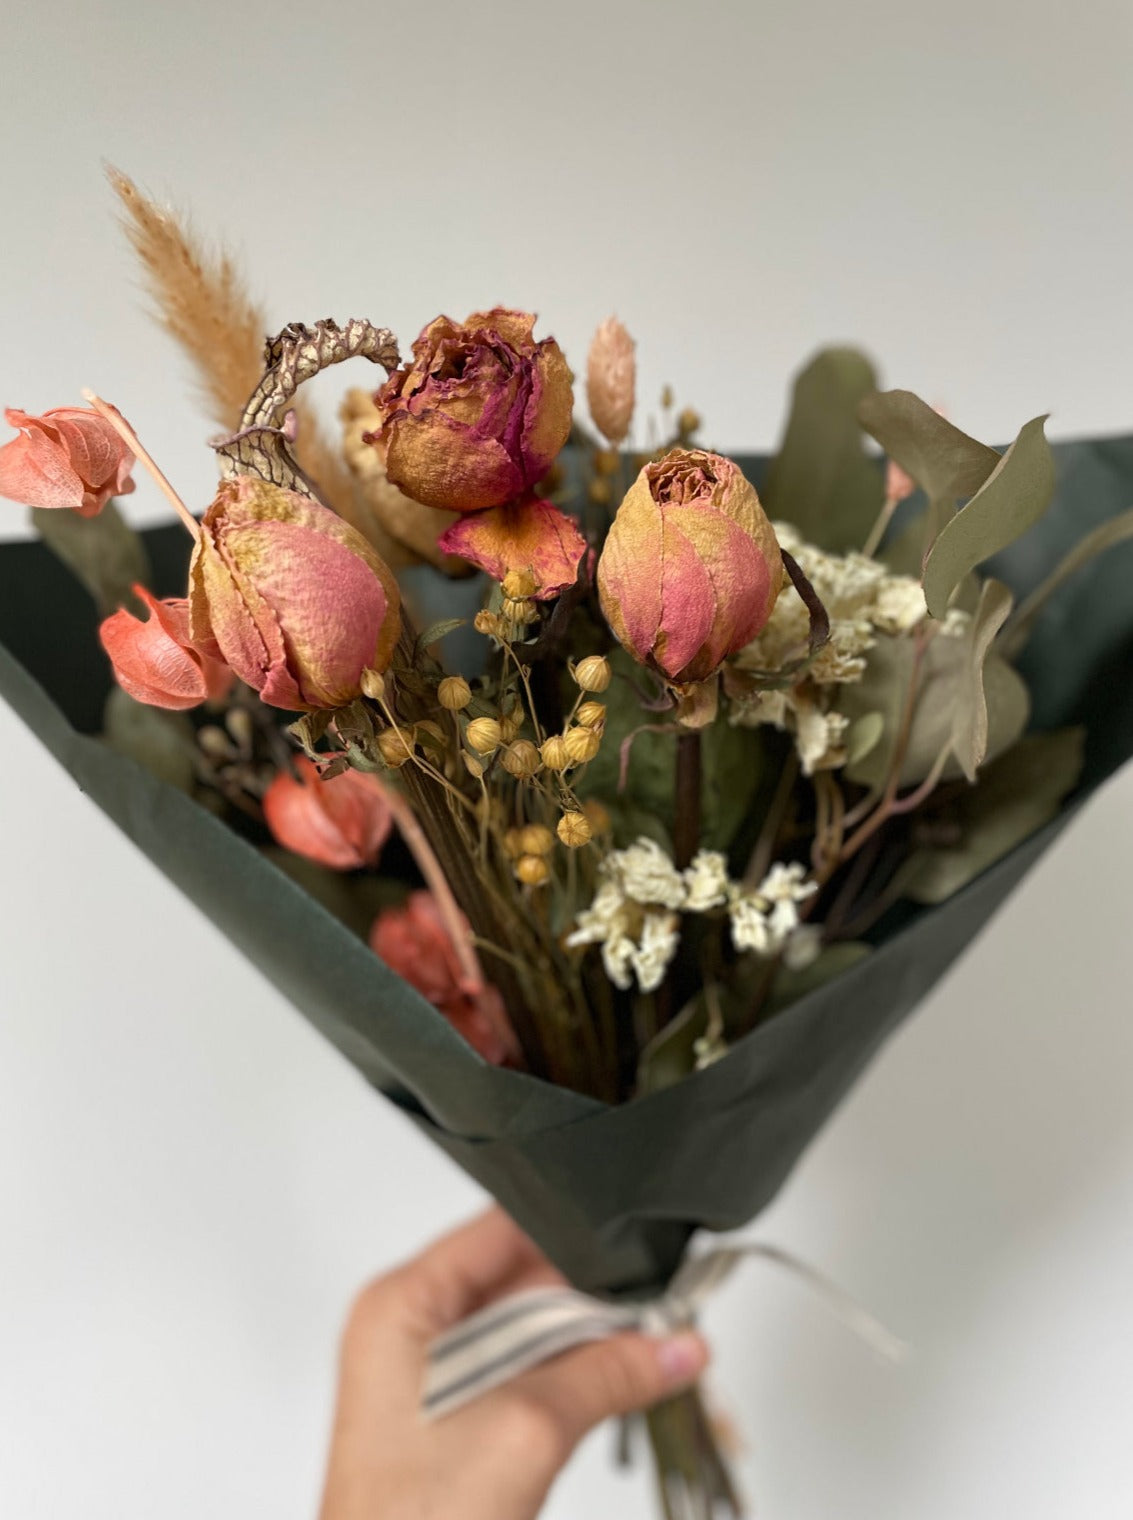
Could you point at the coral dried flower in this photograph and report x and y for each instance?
(611, 373)
(67, 457)
(691, 567)
(341, 823)
(413, 941)
(293, 598)
(479, 415)
(156, 661)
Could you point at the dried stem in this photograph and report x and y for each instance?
(116, 420)
(686, 825)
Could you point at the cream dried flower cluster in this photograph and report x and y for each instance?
(863, 600)
(635, 914)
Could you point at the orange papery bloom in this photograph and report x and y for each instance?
(691, 568)
(531, 535)
(67, 457)
(293, 598)
(341, 822)
(156, 661)
(479, 415)
(413, 941)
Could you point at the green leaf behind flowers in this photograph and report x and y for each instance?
(822, 481)
(1015, 795)
(103, 552)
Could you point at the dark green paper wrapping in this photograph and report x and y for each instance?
(612, 1194)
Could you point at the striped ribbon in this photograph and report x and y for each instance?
(517, 1333)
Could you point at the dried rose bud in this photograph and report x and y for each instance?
(593, 673)
(67, 457)
(156, 661)
(483, 735)
(478, 416)
(521, 759)
(592, 715)
(341, 823)
(454, 693)
(536, 839)
(532, 870)
(610, 376)
(691, 568)
(294, 599)
(582, 744)
(554, 753)
(414, 942)
(574, 830)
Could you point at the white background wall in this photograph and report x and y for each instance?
(191, 1184)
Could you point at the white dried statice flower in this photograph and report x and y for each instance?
(655, 948)
(819, 737)
(645, 873)
(632, 916)
(765, 920)
(803, 947)
(706, 882)
(899, 605)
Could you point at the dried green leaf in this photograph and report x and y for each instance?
(945, 462)
(970, 718)
(863, 736)
(1014, 796)
(822, 481)
(671, 1055)
(437, 631)
(1011, 500)
(164, 742)
(1103, 537)
(103, 552)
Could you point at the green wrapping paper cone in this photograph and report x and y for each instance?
(611, 1194)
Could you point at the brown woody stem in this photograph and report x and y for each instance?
(686, 825)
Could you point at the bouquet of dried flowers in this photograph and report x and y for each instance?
(605, 811)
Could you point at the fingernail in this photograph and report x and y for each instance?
(682, 1356)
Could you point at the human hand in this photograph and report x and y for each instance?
(496, 1458)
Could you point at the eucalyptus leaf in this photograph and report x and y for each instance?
(438, 631)
(822, 480)
(164, 742)
(1103, 537)
(863, 736)
(1011, 500)
(1014, 796)
(671, 1055)
(104, 553)
(945, 462)
(970, 717)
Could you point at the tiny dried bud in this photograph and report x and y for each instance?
(521, 759)
(518, 611)
(592, 673)
(574, 830)
(454, 693)
(395, 745)
(513, 844)
(597, 815)
(688, 421)
(510, 723)
(536, 839)
(373, 685)
(483, 735)
(519, 584)
(582, 744)
(554, 753)
(599, 492)
(215, 742)
(592, 715)
(487, 622)
(532, 870)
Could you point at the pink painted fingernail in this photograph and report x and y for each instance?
(682, 1356)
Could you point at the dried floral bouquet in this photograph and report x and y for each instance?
(676, 765)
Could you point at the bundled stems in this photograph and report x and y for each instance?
(686, 825)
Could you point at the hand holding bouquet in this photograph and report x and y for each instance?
(662, 784)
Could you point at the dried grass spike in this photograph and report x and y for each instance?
(611, 374)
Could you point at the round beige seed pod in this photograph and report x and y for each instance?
(536, 839)
(395, 745)
(521, 759)
(688, 421)
(582, 744)
(486, 622)
(532, 870)
(483, 735)
(574, 830)
(373, 685)
(554, 753)
(593, 673)
(592, 715)
(454, 693)
(513, 844)
(510, 723)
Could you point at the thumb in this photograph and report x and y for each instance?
(614, 1377)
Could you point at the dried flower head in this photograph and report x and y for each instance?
(69, 457)
(610, 380)
(341, 823)
(156, 661)
(454, 693)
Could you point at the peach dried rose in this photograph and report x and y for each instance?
(67, 457)
(413, 941)
(155, 661)
(293, 598)
(479, 415)
(691, 568)
(341, 822)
